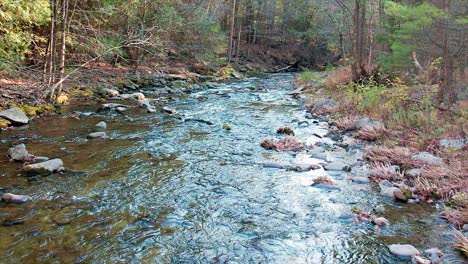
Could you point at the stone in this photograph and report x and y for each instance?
(120, 109)
(427, 157)
(324, 104)
(112, 106)
(18, 152)
(305, 167)
(336, 166)
(15, 115)
(15, 198)
(420, 260)
(360, 180)
(168, 110)
(40, 159)
(367, 122)
(465, 227)
(389, 192)
(403, 250)
(102, 125)
(97, 135)
(379, 209)
(380, 221)
(110, 92)
(138, 96)
(455, 143)
(413, 173)
(44, 168)
(398, 194)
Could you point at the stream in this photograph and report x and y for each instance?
(165, 190)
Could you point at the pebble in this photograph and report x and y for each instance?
(102, 125)
(380, 221)
(97, 135)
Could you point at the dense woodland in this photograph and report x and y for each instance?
(424, 39)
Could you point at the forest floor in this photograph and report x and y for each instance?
(413, 145)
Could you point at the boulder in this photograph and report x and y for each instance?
(102, 125)
(18, 152)
(403, 250)
(360, 180)
(44, 168)
(427, 157)
(389, 192)
(15, 198)
(367, 122)
(15, 115)
(97, 135)
(327, 186)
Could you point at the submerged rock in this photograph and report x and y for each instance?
(15, 198)
(15, 115)
(304, 167)
(18, 152)
(273, 165)
(327, 186)
(97, 135)
(44, 168)
(404, 250)
(168, 110)
(102, 125)
(113, 106)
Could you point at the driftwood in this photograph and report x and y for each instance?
(293, 65)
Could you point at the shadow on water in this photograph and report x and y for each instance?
(163, 190)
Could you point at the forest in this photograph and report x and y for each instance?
(385, 79)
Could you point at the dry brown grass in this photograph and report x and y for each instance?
(340, 77)
(285, 131)
(461, 242)
(394, 156)
(285, 144)
(323, 179)
(440, 182)
(346, 123)
(456, 217)
(385, 171)
(371, 133)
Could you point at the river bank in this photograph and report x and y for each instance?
(415, 155)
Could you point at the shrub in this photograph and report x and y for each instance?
(309, 76)
(371, 133)
(341, 77)
(346, 123)
(461, 242)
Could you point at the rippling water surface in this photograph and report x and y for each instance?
(167, 191)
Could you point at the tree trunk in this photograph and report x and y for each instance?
(231, 38)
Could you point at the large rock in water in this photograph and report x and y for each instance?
(403, 250)
(44, 168)
(18, 152)
(15, 115)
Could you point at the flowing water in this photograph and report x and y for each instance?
(162, 190)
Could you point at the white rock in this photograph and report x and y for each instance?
(18, 152)
(427, 158)
(404, 250)
(380, 221)
(102, 125)
(15, 115)
(46, 167)
(14, 198)
(389, 192)
(97, 135)
(420, 260)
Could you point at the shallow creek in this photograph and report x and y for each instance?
(162, 190)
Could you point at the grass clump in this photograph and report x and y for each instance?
(285, 131)
(285, 144)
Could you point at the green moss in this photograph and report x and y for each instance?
(4, 123)
(33, 111)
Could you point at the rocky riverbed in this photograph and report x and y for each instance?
(180, 175)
